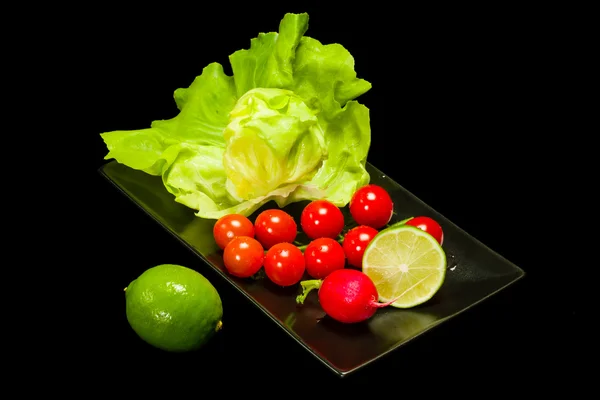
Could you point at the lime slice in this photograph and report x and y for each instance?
(406, 263)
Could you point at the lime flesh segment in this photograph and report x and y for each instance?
(407, 263)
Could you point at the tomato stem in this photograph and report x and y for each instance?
(259, 275)
(404, 221)
(307, 286)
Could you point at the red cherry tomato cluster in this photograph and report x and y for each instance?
(269, 241)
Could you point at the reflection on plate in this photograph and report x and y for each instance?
(396, 326)
(474, 273)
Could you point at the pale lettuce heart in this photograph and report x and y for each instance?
(273, 139)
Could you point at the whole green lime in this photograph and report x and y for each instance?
(173, 308)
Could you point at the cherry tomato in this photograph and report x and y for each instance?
(243, 256)
(428, 225)
(230, 226)
(355, 243)
(275, 226)
(323, 256)
(322, 218)
(371, 205)
(284, 264)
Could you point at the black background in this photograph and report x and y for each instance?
(454, 109)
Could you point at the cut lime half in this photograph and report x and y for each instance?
(406, 263)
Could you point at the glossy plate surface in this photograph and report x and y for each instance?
(474, 273)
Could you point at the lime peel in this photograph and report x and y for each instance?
(173, 308)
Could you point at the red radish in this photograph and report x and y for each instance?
(346, 295)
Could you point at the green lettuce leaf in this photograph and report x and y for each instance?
(269, 61)
(204, 106)
(325, 78)
(285, 127)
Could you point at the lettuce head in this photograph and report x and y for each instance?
(284, 127)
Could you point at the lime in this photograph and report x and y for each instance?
(406, 263)
(173, 308)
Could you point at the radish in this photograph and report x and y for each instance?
(346, 295)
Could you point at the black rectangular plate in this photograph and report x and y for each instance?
(475, 273)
